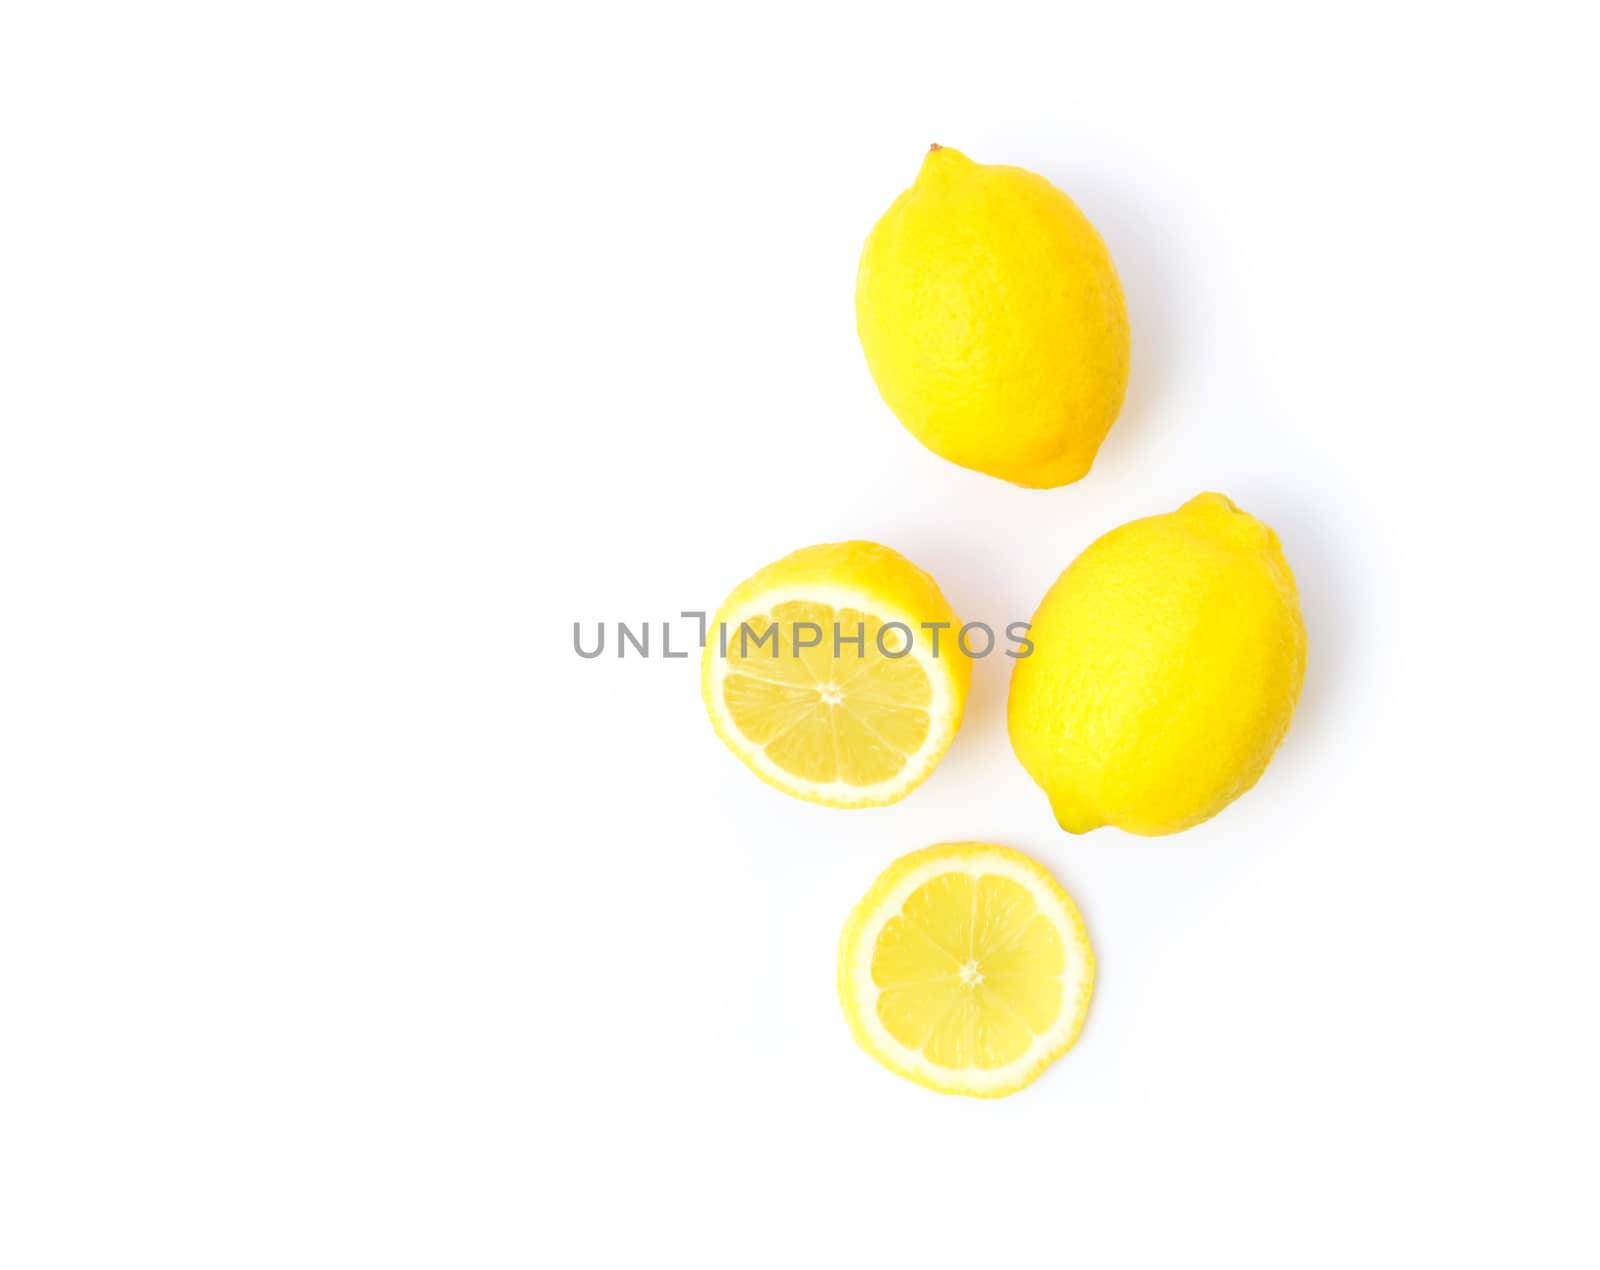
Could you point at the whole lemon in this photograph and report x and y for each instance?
(1166, 664)
(993, 321)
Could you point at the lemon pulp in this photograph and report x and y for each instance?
(826, 713)
(969, 971)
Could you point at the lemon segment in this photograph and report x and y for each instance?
(820, 675)
(966, 968)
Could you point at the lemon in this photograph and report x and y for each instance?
(993, 321)
(835, 674)
(1166, 664)
(966, 968)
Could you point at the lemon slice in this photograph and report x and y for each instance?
(835, 674)
(966, 968)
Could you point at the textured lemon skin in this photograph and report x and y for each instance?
(1167, 662)
(867, 914)
(993, 321)
(885, 584)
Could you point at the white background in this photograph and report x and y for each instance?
(350, 353)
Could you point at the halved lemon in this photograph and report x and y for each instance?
(966, 968)
(836, 674)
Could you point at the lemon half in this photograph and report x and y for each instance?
(966, 968)
(857, 717)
